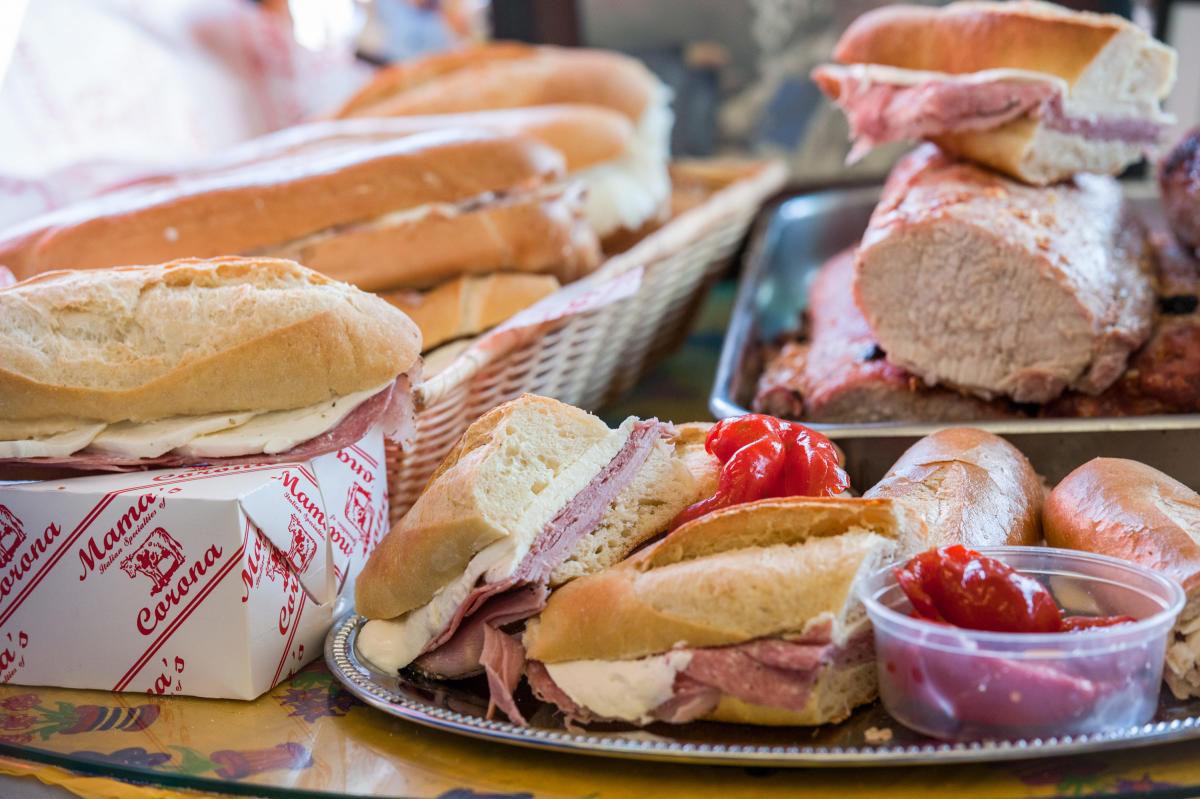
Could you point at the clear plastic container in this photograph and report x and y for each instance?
(960, 684)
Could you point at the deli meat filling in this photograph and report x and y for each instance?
(880, 111)
(459, 648)
(769, 672)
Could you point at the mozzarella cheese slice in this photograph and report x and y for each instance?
(59, 445)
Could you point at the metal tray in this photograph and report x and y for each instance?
(805, 232)
(460, 707)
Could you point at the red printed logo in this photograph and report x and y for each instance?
(12, 535)
(358, 510)
(303, 547)
(158, 557)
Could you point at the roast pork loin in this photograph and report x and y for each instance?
(1179, 177)
(841, 375)
(975, 281)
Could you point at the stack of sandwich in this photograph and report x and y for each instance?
(1002, 272)
(516, 563)
(465, 187)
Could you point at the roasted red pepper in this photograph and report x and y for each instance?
(763, 457)
(959, 586)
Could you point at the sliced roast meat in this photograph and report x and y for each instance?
(769, 672)
(975, 281)
(460, 653)
(454, 652)
(503, 659)
(392, 407)
(1179, 179)
(841, 374)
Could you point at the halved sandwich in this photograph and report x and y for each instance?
(1028, 88)
(534, 494)
(748, 614)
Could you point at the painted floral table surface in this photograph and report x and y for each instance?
(309, 737)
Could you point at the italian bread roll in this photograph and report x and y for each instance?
(968, 487)
(1126, 509)
(407, 212)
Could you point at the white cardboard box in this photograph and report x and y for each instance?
(215, 582)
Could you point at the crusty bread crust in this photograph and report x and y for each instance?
(192, 337)
(973, 36)
(274, 203)
(969, 487)
(469, 305)
(749, 571)
(1129, 510)
(544, 231)
(508, 76)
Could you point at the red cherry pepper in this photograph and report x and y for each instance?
(959, 586)
(762, 457)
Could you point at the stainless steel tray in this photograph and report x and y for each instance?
(805, 232)
(460, 707)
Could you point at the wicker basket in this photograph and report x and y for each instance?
(596, 355)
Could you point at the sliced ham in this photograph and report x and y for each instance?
(392, 407)
(455, 651)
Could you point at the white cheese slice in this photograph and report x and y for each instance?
(151, 439)
(59, 445)
(277, 431)
(620, 689)
(391, 644)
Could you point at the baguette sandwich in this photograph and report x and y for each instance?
(399, 213)
(748, 614)
(508, 75)
(1022, 292)
(1126, 509)
(232, 359)
(534, 494)
(1028, 88)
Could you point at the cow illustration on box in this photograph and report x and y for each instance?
(158, 557)
(303, 547)
(12, 535)
(358, 511)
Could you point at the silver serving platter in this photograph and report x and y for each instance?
(806, 231)
(460, 707)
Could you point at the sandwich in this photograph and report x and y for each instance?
(510, 75)
(748, 614)
(220, 361)
(1023, 292)
(406, 212)
(1127, 509)
(1028, 88)
(534, 494)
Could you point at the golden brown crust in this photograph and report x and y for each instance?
(545, 231)
(501, 76)
(192, 337)
(749, 571)
(469, 305)
(271, 204)
(1129, 510)
(970, 487)
(973, 36)
(397, 78)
